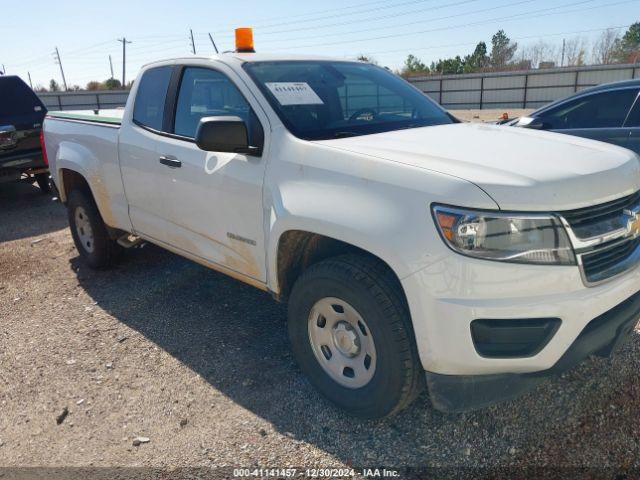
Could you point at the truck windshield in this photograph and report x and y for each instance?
(320, 100)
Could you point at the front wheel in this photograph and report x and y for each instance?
(351, 334)
(89, 231)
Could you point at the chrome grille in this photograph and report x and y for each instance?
(605, 238)
(608, 261)
(593, 221)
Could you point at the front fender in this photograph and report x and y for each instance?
(378, 206)
(342, 220)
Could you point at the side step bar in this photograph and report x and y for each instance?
(129, 240)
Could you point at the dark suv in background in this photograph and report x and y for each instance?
(21, 117)
(609, 113)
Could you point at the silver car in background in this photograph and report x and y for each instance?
(609, 113)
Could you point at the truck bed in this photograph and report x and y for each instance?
(111, 117)
(86, 142)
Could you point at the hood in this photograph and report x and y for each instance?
(520, 169)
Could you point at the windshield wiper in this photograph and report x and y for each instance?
(345, 134)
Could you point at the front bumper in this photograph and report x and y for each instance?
(447, 296)
(602, 336)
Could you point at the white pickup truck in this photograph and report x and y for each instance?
(412, 249)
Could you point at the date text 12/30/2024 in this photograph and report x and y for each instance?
(314, 473)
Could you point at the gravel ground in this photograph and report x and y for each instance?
(198, 364)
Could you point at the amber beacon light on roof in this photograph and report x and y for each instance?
(244, 40)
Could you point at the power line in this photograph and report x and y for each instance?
(90, 47)
(469, 44)
(319, 12)
(529, 15)
(339, 15)
(162, 53)
(373, 19)
(154, 47)
(418, 22)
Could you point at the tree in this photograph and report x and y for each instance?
(540, 52)
(112, 84)
(478, 60)
(627, 49)
(448, 66)
(605, 46)
(413, 65)
(93, 85)
(575, 52)
(53, 86)
(367, 59)
(502, 50)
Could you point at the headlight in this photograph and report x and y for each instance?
(537, 239)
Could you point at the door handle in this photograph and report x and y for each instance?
(170, 161)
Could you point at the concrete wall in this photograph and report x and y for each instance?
(84, 100)
(518, 89)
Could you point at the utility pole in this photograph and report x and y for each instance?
(564, 44)
(56, 55)
(111, 66)
(124, 42)
(193, 44)
(30, 83)
(213, 43)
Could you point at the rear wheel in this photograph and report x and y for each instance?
(89, 232)
(351, 334)
(44, 182)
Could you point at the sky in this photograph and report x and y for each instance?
(86, 33)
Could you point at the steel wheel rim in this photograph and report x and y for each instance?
(83, 229)
(342, 342)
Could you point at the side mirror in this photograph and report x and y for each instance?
(531, 122)
(224, 134)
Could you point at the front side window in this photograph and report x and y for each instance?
(148, 109)
(600, 110)
(209, 93)
(633, 120)
(319, 100)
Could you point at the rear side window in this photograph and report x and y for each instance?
(205, 93)
(148, 109)
(600, 110)
(16, 98)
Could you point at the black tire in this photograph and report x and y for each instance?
(373, 290)
(44, 182)
(102, 251)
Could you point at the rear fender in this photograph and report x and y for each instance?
(77, 158)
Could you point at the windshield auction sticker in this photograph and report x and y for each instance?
(294, 93)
